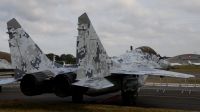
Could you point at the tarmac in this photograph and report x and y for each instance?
(148, 98)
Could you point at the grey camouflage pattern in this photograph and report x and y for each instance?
(93, 60)
(4, 64)
(26, 56)
(91, 55)
(94, 82)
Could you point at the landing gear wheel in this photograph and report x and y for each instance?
(129, 97)
(77, 98)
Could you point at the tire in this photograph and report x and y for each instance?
(77, 98)
(129, 97)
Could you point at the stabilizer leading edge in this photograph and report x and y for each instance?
(26, 56)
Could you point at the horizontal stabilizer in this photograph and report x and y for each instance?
(7, 80)
(94, 82)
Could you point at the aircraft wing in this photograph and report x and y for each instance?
(94, 82)
(7, 80)
(151, 71)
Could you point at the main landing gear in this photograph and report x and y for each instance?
(130, 97)
(77, 94)
(77, 97)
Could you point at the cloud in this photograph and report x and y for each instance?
(166, 26)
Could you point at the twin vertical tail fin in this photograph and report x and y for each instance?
(26, 56)
(91, 56)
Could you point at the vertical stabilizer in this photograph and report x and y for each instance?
(26, 56)
(91, 56)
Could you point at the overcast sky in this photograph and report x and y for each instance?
(170, 27)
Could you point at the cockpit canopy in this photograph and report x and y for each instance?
(147, 50)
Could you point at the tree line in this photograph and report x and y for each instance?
(68, 58)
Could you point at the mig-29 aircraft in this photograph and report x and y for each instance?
(127, 72)
(96, 73)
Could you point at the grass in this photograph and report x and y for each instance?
(6, 72)
(187, 69)
(156, 79)
(23, 106)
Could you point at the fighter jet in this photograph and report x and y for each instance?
(126, 73)
(95, 73)
(195, 64)
(33, 69)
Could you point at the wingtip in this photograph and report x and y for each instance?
(13, 24)
(84, 18)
